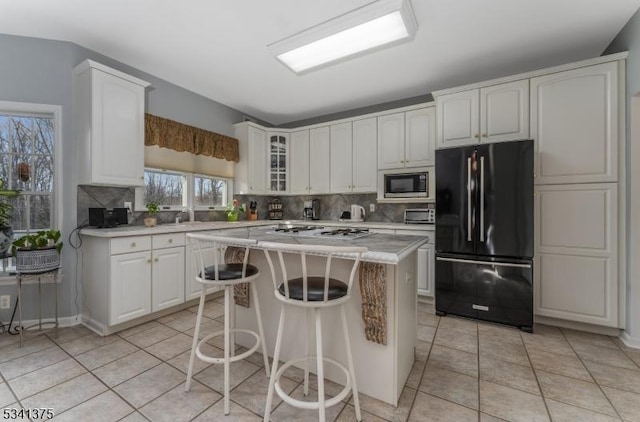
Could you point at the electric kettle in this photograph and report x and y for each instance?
(357, 213)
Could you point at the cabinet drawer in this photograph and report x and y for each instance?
(130, 244)
(168, 240)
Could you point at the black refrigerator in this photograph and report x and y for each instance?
(484, 232)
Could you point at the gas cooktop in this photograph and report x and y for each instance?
(320, 231)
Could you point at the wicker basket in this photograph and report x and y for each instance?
(30, 261)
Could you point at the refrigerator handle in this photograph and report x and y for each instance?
(491, 263)
(468, 199)
(482, 198)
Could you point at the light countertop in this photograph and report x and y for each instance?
(383, 247)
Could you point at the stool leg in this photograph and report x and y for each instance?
(274, 368)
(307, 351)
(227, 352)
(321, 398)
(265, 356)
(196, 338)
(352, 372)
(20, 307)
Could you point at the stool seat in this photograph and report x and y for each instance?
(315, 289)
(228, 272)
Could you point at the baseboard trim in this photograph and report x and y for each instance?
(32, 324)
(581, 326)
(633, 342)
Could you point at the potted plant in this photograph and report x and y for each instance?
(233, 210)
(6, 231)
(152, 210)
(37, 252)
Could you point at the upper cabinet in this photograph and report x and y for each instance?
(353, 156)
(278, 162)
(489, 114)
(108, 117)
(406, 139)
(309, 168)
(251, 170)
(574, 121)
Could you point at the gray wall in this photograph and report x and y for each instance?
(629, 40)
(39, 71)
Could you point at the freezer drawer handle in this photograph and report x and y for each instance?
(468, 199)
(480, 307)
(493, 264)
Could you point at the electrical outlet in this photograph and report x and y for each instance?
(5, 302)
(372, 207)
(128, 205)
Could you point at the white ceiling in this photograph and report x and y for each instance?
(218, 48)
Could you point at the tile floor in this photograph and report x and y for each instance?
(464, 371)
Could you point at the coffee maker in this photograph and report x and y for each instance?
(311, 210)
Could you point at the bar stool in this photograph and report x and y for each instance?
(226, 275)
(314, 293)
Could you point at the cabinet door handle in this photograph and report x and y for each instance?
(484, 135)
(468, 199)
(133, 244)
(155, 259)
(477, 136)
(148, 261)
(482, 198)
(170, 240)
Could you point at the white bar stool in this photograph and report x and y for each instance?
(313, 293)
(226, 275)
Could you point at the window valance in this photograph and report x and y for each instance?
(167, 133)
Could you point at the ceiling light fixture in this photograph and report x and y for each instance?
(374, 26)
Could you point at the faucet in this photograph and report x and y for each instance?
(189, 210)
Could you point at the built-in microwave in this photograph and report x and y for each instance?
(406, 185)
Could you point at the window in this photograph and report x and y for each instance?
(209, 191)
(164, 187)
(27, 145)
(174, 190)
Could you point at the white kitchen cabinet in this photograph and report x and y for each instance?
(193, 287)
(407, 139)
(108, 118)
(489, 114)
(277, 162)
(129, 286)
(310, 161)
(129, 277)
(353, 156)
(365, 155)
(299, 168)
(167, 271)
(574, 122)
(251, 170)
(426, 271)
(576, 244)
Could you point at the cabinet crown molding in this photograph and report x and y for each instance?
(533, 73)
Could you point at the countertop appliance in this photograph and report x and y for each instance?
(420, 215)
(484, 232)
(311, 210)
(357, 212)
(103, 217)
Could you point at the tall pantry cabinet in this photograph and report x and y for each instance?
(575, 121)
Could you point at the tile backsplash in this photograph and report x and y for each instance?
(331, 206)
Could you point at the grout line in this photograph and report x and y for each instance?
(594, 378)
(535, 375)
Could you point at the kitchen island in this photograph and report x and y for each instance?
(382, 366)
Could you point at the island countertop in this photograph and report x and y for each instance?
(383, 248)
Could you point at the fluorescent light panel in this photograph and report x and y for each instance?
(378, 24)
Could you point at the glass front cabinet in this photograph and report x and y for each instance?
(278, 162)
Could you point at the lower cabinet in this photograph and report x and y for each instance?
(129, 277)
(193, 287)
(576, 243)
(426, 270)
